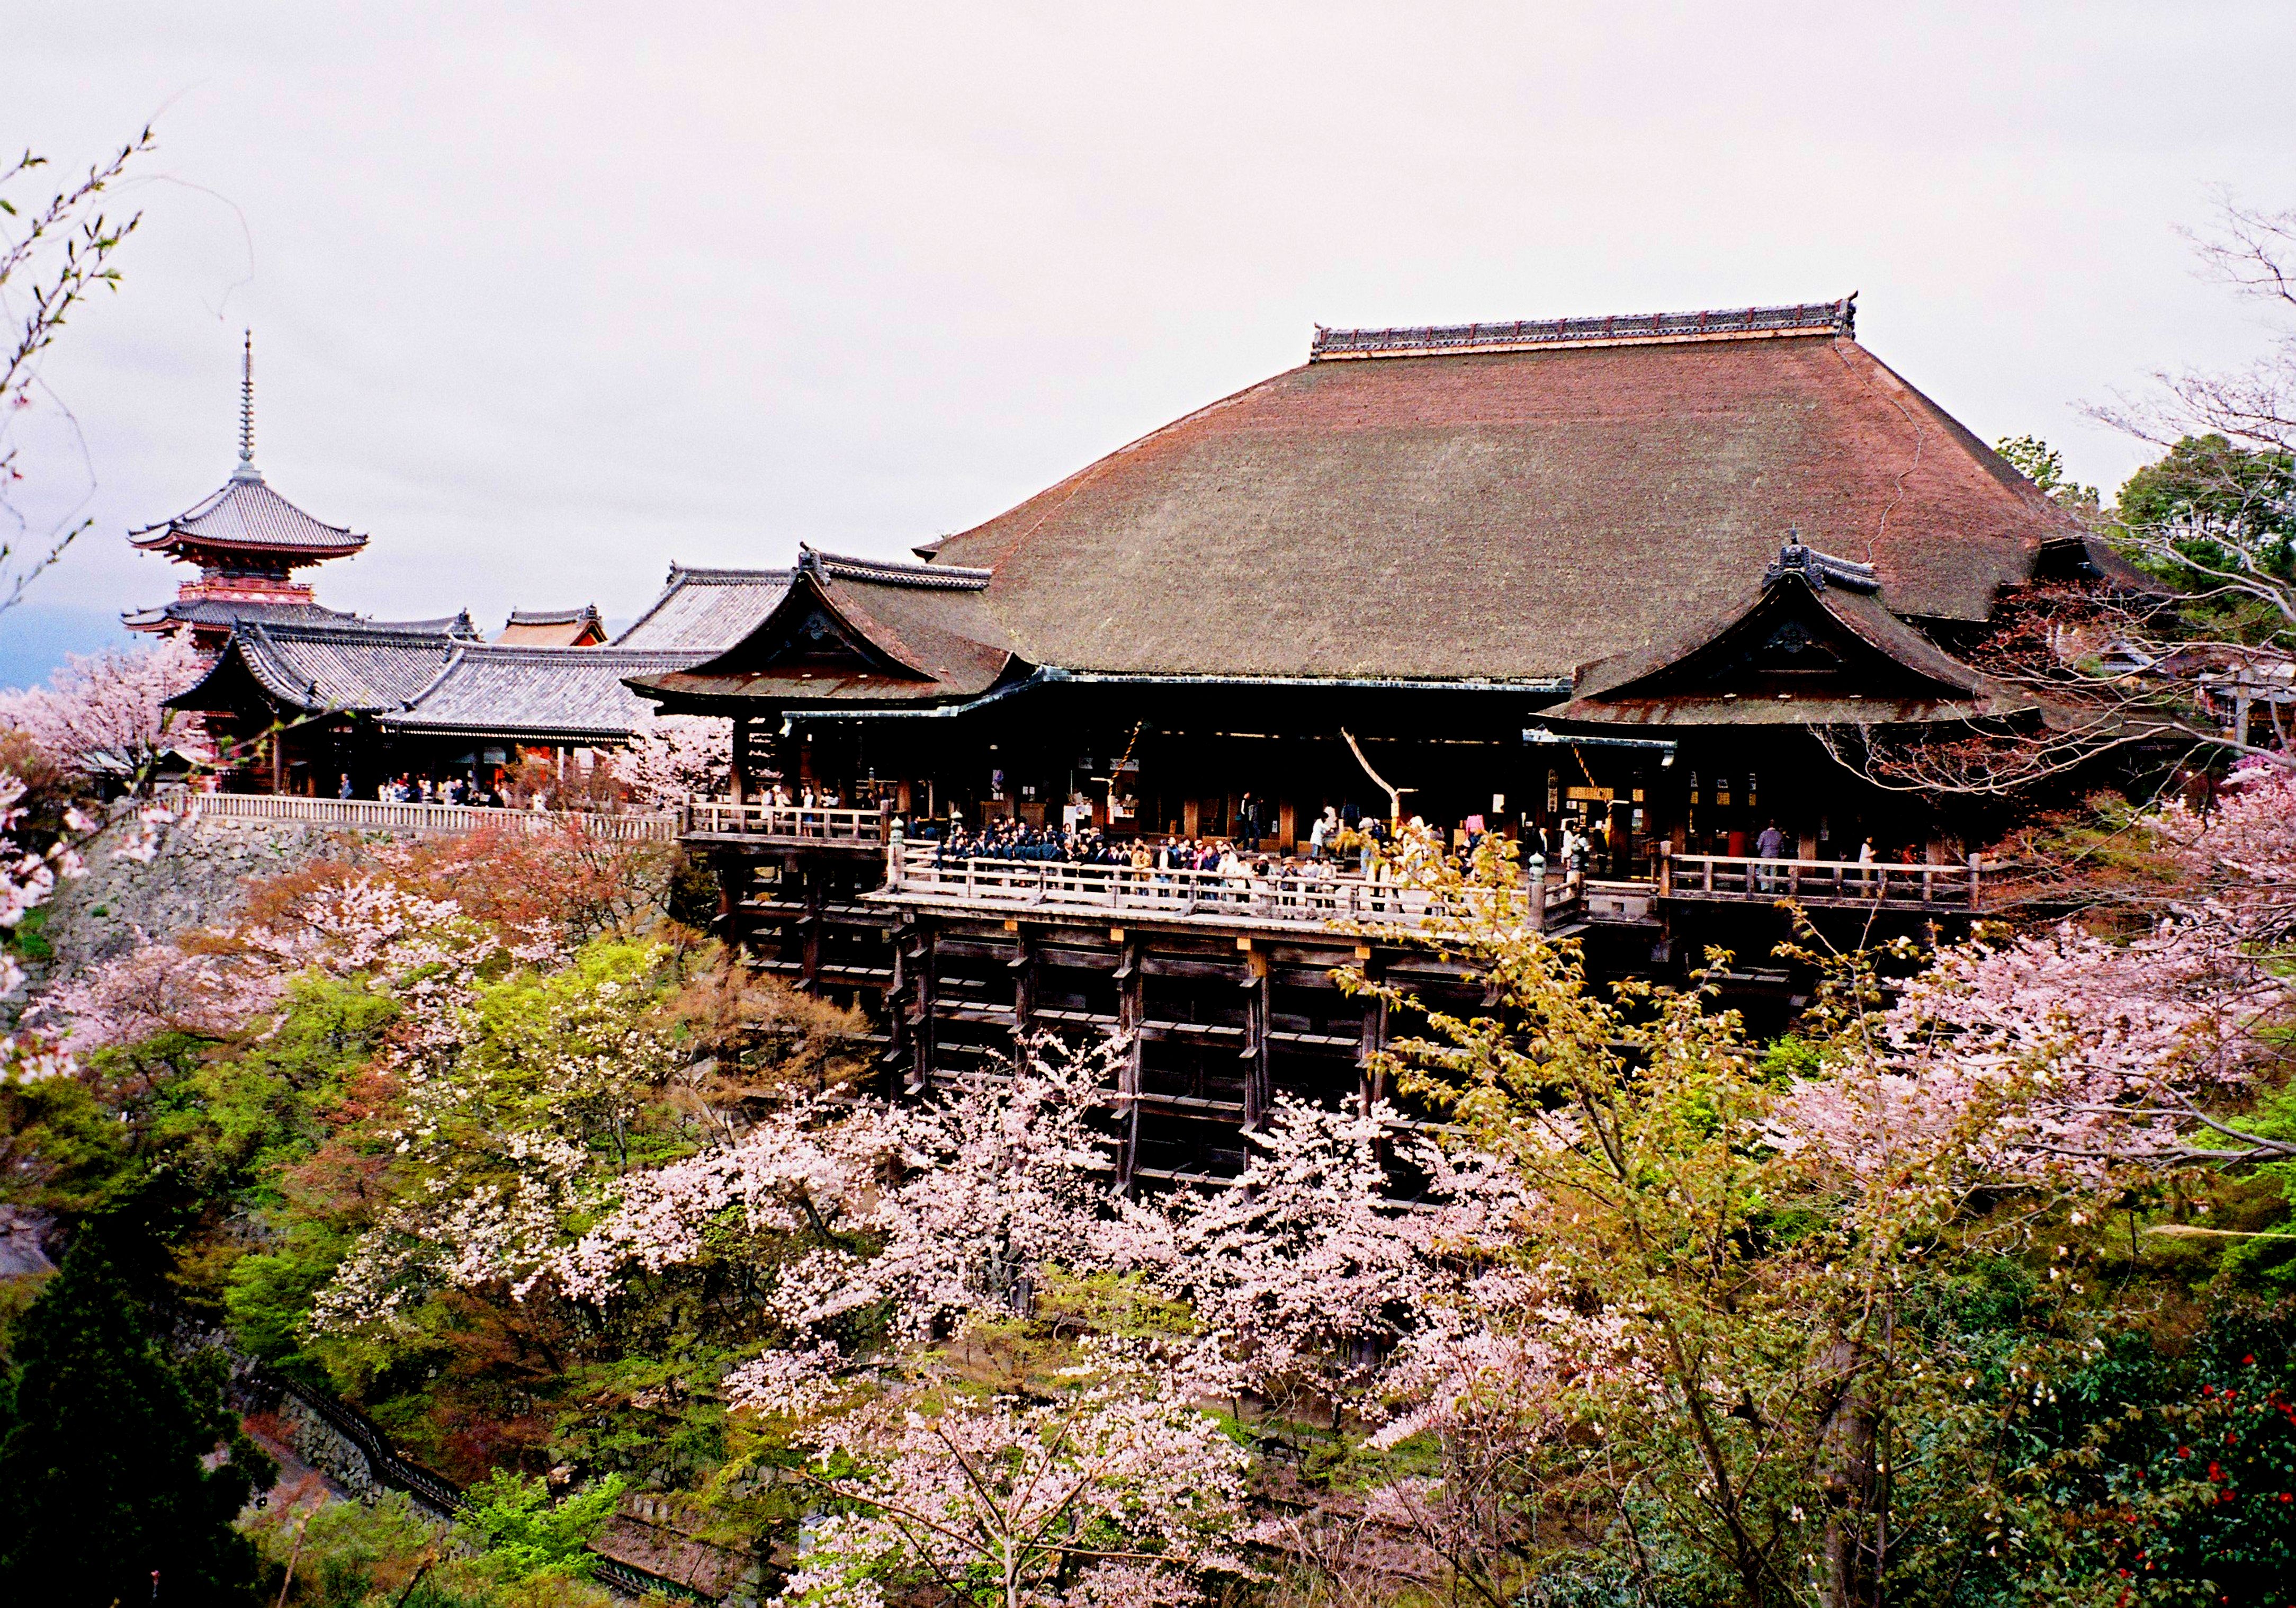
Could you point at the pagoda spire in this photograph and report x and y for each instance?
(247, 470)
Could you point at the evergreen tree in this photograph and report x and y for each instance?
(103, 1468)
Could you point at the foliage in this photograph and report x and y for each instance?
(2210, 507)
(102, 1464)
(2045, 466)
(103, 714)
(520, 1532)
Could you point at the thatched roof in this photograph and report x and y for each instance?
(1502, 514)
(1487, 502)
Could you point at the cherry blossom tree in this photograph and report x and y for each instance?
(1310, 1269)
(1115, 1496)
(675, 757)
(930, 1212)
(103, 714)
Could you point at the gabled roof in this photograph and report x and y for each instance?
(539, 693)
(706, 609)
(434, 681)
(1818, 647)
(1432, 503)
(553, 628)
(247, 516)
(856, 630)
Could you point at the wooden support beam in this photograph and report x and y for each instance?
(1023, 965)
(1258, 1084)
(1129, 999)
(924, 1027)
(809, 930)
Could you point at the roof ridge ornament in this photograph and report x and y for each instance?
(1837, 318)
(1815, 569)
(930, 578)
(247, 470)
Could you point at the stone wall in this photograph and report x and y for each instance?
(199, 878)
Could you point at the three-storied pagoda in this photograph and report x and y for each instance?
(246, 542)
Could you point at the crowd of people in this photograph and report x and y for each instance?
(406, 788)
(1334, 846)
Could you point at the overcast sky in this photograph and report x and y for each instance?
(547, 297)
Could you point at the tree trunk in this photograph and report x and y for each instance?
(1847, 1479)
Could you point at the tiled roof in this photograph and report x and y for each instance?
(553, 628)
(566, 694)
(246, 516)
(1688, 679)
(853, 631)
(706, 609)
(222, 611)
(433, 680)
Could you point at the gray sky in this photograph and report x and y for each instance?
(545, 297)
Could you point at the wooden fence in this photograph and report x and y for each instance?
(794, 822)
(428, 820)
(1954, 887)
(919, 873)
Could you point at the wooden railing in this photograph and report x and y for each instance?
(430, 820)
(796, 822)
(441, 1495)
(1953, 886)
(919, 873)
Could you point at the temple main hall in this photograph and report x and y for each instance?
(1605, 575)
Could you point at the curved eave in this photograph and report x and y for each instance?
(166, 538)
(762, 693)
(580, 737)
(1787, 711)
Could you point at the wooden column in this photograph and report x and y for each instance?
(739, 777)
(1374, 1040)
(279, 762)
(810, 935)
(923, 1025)
(732, 881)
(1259, 1093)
(1023, 967)
(1129, 998)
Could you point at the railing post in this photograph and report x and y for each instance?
(1665, 870)
(1976, 881)
(894, 845)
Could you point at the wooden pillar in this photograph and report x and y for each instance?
(279, 762)
(732, 881)
(1374, 1040)
(1130, 998)
(1023, 967)
(810, 938)
(739, 780)
(1259, 1093)
(923, 1025)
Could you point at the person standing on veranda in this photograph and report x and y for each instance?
(1771, 845)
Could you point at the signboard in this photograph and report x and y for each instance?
(1590, 795)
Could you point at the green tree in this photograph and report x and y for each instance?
(2220, 520)
(2045, 466)
(103, 1467)
(521, 1533)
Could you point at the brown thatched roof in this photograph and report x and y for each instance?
(1508, 513)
